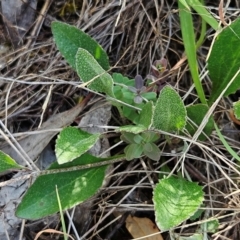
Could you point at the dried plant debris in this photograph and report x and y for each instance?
(10, 197)
(18, 17)
(135, 34)
(34, 144)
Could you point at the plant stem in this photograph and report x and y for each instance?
(81, 167)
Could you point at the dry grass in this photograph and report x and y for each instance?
(134, 34)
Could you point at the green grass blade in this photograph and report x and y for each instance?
(202, 11)
(226, 145)
(61, 214)
(190, 48)
(184, 3)
(202, 33)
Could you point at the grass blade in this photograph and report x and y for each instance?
(190, 48)
(202, 11)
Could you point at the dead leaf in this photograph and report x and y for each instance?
(141, 227)
(34, 144)
(18, 17)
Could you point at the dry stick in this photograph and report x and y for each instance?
(38, 24)
(45, 104)
(221, 13)
(18, 149)
(36, 29)
(25, 177)
(117, 20)
(6, 103)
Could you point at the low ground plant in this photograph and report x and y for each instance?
(150, 109)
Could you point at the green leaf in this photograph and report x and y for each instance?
(137, 139)
(7, 163)
(146, 115)
(120, 79)
(225, 143)
(131, 114)
(127, 94)
(148, 147)
(184, 3)
(88, 69)
(224, 61)
(150, 136)
(127, 137)
(152, 151)
(72, 143)
(73, 187)
(170, 113)
(69, 38)
(196, 113)
(212, 226)
(150, 96)
(197, 214)
(175, 200)
(133, 151)
(236, 109)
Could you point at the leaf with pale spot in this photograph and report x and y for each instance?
(74, 187)
(175, 200)
(72, 143)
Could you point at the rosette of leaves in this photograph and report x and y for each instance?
(132, 92)
(141, 144)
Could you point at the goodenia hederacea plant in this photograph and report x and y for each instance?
(7, 163)
(91, 72)
(144, 122)
(69, 39)
(175, 200)
(74, 187)
(141, 144)
(169, 113)
(133, 93)
(72, 143)
(224, 61)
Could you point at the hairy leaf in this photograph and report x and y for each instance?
(175, 200)
(169, 113)
(89, 69)
(72, 143)
(69, 38)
